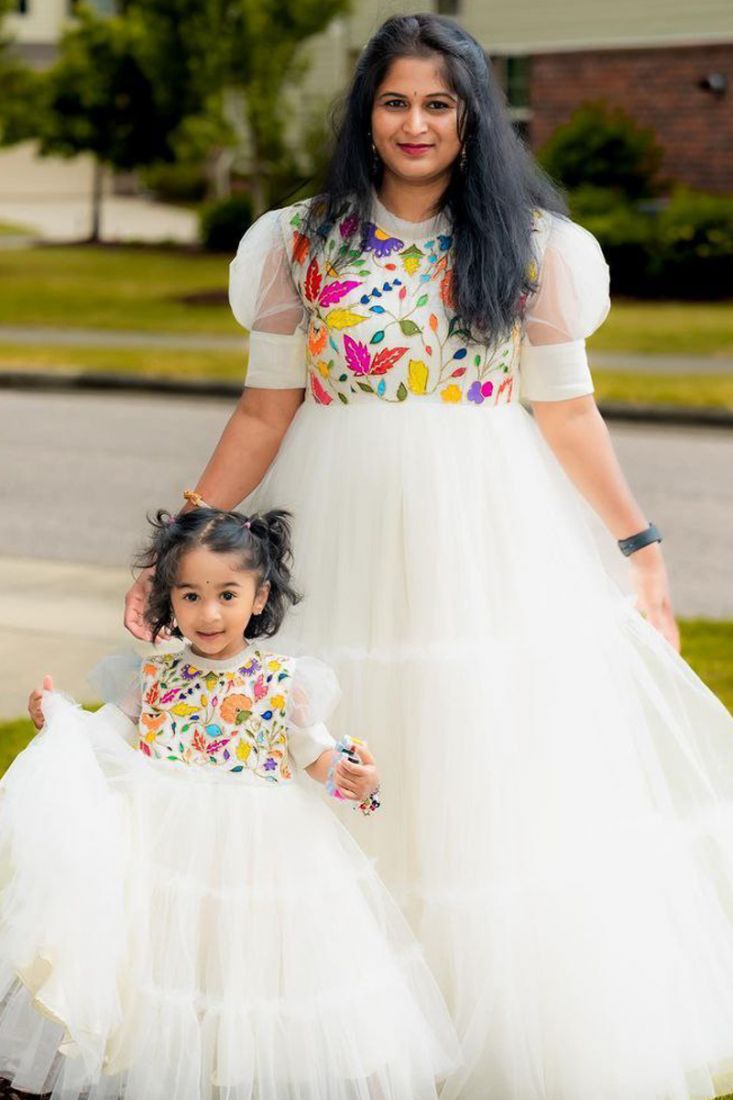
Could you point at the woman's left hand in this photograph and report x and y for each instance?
(356, 781)
(651, 585)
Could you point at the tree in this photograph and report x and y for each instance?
(198, 48)
(99, 99)
(265, 42)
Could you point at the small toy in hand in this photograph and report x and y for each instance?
(347, 747)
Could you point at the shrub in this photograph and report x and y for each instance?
(695, 245)
(682, 249)
(604, 147)
(222, 223)
(178, 182)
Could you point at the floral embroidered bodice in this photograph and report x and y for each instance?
(380, 318)
(232, 717)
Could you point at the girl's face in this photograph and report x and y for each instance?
(213, 600)
(415, 120)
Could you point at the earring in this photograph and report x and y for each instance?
(376, 162)
(462, 159)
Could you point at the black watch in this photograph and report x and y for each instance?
(643, 538)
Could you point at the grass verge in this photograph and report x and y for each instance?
(674, 328)
(706, 645)
(154, 361)
(697, 391)
(8, 229)
(692, 390)
(140, 289)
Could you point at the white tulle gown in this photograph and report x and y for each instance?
(557, 816)
(182, 918)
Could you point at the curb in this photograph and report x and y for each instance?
(105, 382)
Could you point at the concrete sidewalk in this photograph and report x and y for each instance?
(58, 618)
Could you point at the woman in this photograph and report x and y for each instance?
(557, 812)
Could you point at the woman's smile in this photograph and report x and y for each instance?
(413, 150)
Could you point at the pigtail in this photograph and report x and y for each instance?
(272, 531)
(169, 539)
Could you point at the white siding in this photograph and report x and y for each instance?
(535, 26)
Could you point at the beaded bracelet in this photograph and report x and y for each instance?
(345, 747)
(195, 499)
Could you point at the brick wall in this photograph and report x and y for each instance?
(659, 88)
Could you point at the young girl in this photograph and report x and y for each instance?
(180, 917)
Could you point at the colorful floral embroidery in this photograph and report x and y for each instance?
(233, 719)
(382, 320)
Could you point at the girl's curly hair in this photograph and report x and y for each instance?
(263, 542)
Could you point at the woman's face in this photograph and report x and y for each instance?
(415, 120)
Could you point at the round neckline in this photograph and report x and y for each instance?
(423, 230)
(217, 663)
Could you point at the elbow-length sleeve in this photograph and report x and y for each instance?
(265, 300)
(571, 302)
(117, 679)
(314, 692)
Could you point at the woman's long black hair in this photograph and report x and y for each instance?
(489, 200)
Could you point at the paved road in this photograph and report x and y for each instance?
(78, 473)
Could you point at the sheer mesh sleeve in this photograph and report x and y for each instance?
(314, 693)
(571, 302)
(117, 679)
(265, 300)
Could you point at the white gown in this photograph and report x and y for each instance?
(557, 816)
(182, 918)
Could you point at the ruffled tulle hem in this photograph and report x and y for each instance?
(189, 937)
(557, 817)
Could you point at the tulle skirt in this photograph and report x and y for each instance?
(557, 817)
(182, 933)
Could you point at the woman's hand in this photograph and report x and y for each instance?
(356, 781)
(651, 585)
(35, 700)
(135, 602)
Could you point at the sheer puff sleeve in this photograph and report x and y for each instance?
(265, 300)
(314, 692)
(117, 679)
(571, 302)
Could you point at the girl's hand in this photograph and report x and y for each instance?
(356, 781)
(135, 602)
(34, 702)
(651, 585)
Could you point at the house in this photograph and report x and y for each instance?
(669, 64)
(35, 26)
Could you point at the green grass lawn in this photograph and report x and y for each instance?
(8, 229)
(677, 328)
(698, 390)
(126, 288)
(706, 645)
(140, 289)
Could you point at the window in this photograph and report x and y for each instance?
(517, 81)
(514, 75)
